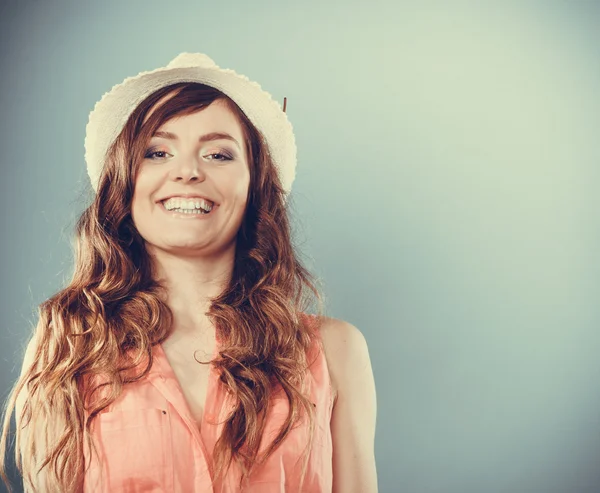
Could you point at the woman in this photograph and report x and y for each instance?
(180, 357)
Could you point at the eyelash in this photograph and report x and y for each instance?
(151, 152)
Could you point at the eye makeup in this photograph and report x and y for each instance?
(224, 154)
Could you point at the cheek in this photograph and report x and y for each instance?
(139, 203)
(135, 213)
(143, 186)
(242, 186)
(241, 202)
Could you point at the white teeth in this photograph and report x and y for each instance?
(188, 204)
(190, 211)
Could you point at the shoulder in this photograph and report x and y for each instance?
(354, 414)
(26, 365)
(29, 355)
(346, 352)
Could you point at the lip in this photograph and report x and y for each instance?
(183, 215)
(187, 196)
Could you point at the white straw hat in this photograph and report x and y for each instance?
(110, 114)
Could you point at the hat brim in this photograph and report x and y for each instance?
(110, 114)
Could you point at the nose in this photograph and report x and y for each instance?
(188, 169)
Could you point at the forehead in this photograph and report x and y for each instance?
(216, 116)
(162, 100)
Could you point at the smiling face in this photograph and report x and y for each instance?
(203, 155)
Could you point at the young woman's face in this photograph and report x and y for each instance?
(189, 157)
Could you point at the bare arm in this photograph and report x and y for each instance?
(353, 420)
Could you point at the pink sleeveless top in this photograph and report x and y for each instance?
(148, 441)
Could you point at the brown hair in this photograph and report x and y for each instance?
(111, 309)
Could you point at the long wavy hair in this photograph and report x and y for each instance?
(106, 320)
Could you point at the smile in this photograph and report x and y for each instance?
(188, 213)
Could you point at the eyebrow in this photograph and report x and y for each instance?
(204, 138)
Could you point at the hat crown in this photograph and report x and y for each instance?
(184, 60)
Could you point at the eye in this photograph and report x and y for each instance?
(155, 155)
(220, 157)
(151, 153)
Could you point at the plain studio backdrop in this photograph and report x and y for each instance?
(446, 194)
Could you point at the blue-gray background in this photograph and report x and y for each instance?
(445, 193)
